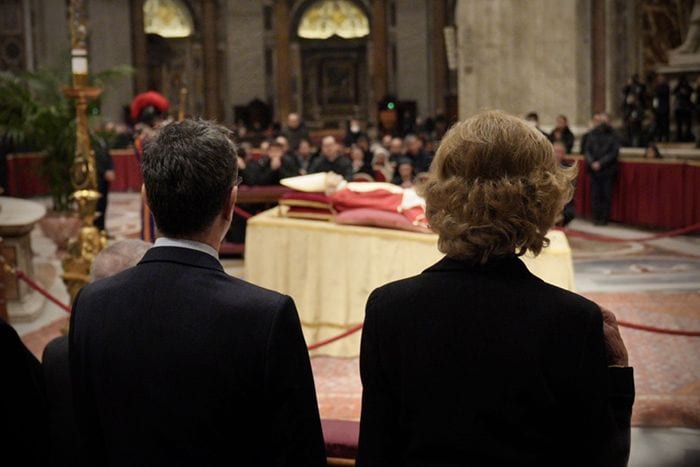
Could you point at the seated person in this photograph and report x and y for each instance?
(304, 156)
(382, 168)
(276, 166)
(415, 150)
(405, 173)
(248, 166)
(330, 160)
(359, 163)
(396, 151)
(354, 132)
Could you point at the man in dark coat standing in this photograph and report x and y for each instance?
(602, 151)
(23, 420)
(174, 362)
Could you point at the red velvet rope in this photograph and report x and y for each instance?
(352, 330)
(676, 332)
(30, 282)
(607, 239)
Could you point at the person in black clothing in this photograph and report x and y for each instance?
(683, 110)
(662, 109)
(23, 405)
(601, 153)
(359, 162)
(415, 150)
(105, 176)
(563, 134)
(304, 156)
(174, 362)
(569, 212)
(354, 132)
(276, 166)
(396, 151)
(534, 120)
(64, 445)
(476, 361)
(405, 173)
(295, 131)
(330, 160)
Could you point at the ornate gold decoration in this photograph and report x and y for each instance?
(90, 241)
(167, 18)
(326, 18)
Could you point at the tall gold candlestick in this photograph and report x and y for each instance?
(82, 250)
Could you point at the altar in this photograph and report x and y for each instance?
(330, 270)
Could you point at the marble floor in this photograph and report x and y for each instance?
(654, 283)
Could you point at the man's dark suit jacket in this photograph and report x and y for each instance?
(173, 362)
(23, 421)
(488, 365)
(64, 442)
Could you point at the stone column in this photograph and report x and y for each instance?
(108, 49)
(212, 101)
(598, 55)
(245, 53)
(622, 50)
(283, 92)
(412, 53)
(379, 54)
(139, 51)
(439, 57)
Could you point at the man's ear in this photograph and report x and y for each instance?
(230, 204)
(144, 196)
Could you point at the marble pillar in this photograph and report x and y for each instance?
(139, 51)
(622, 51)
(108, 50)
(51, 35)
(412, 53)
(212, 100)
(524, 56)
(245, 53)
(379, 55)
(282, 62)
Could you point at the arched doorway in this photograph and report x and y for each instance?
(331, 37)
(174, 51)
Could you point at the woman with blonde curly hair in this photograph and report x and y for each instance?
(476, 361)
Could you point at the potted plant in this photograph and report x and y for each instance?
(36, 116)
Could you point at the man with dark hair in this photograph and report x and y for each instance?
(420, 158)
(173, 362)
(602, 150)
(331, 160)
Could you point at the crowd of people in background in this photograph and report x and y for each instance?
(649, 106)
(363, 153)
(359, 155)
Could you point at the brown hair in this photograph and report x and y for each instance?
(495, 188)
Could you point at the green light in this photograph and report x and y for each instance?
(390, 106)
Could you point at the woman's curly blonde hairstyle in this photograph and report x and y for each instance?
(495, 188)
